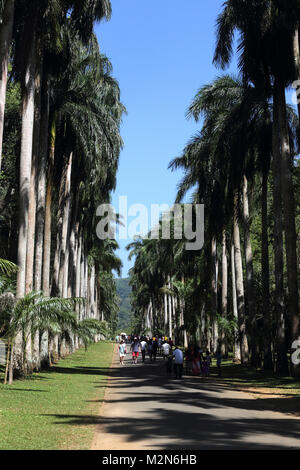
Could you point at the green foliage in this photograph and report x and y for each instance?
(86, 330)
(33, 311)
(56, 316)
(228, 326)
(7, 267)
(9, 173)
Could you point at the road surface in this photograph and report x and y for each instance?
(143, 409)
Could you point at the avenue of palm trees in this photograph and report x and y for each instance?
(241, 291)
(60, 114)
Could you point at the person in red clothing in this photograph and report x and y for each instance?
(135, 348)
(170, 342)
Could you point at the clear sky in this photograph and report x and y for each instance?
(161, 53)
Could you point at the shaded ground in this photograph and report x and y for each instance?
(144, 409)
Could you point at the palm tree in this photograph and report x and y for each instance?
(28, 316)
(216, 101)
(267, 59)
(250, 275)
(40, 62)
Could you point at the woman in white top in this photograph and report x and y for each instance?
(143, 349)
(166, 350)
(122, 352)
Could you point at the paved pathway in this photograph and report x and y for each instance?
(144, 409)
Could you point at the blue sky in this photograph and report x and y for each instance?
(161, 53)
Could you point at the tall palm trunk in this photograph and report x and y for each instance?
(224, 289)
(33, 182)
(289, 214)
(73, 248)
(6, 28)
(281, 357)
(214, 293)
(265, 270)
(183, 319)
(250, 277)
(147, 318)
(174, 304)
(92, 292)
(237, 348)
(25, 165)
(55, 288)
(41, 212)
(77, 282)
(32, 352)
(25, 175)
(47, 227)
(240, 284)
(165, 312)
(63, 264)
(82, 279)
(97, 313)
(42, 185)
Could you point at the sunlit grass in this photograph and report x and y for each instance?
(34, 413)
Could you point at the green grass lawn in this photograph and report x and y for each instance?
(35, 413)
(241, 376)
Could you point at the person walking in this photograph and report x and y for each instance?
(169, 365)
(150, 349)
(197, 363)
(122, 352)
(166, 350)
(159, 343)
(143, 349)
(135, 348)
(189, 356)
(178, 365)
(154, 349)
(208, 360)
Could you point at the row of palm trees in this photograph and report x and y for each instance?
(243, 166)
(69, 144)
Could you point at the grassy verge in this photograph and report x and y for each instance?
(275, 393)
(241, 376)
(36, 413)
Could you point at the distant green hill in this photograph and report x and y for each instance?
(125, 313)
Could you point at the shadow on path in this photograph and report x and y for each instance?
(191, 413)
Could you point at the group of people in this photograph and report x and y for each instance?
(145, 345)
(197, 361)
